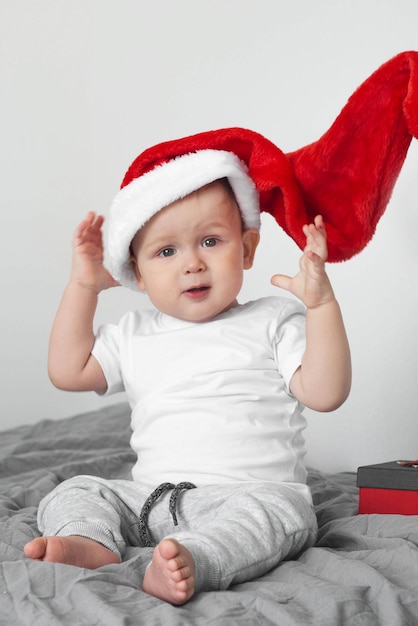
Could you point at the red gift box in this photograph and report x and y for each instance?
(390, 488)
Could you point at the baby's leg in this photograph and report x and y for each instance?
(239, 532)
(82, 509)
(72, 550)
(170, 575)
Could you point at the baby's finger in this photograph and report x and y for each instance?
(281, 280)
(98, 221)
(85, 223)
(319, 224)
(316, 239)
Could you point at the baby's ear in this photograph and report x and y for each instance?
(250, 239)
(134, 265)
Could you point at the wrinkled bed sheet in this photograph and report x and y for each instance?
(363, 570)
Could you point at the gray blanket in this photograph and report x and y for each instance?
(363, 570)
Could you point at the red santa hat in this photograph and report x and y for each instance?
(347, 176)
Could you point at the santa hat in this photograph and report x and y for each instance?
(347, 176)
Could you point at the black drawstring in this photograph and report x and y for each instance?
(149, 502)
(174, 496)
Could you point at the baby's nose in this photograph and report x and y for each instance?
(193, 263)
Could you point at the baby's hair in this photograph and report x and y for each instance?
(227, 185)
(225, 182)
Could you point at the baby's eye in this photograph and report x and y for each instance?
(165, 252)
(209, 242)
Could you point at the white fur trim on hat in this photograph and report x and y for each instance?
(144, 196)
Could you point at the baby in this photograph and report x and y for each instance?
(216, 388)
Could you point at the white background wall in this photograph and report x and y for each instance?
(88, 84)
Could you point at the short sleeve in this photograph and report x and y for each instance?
(290, 340)
(106, 351)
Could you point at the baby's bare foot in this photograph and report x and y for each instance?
(170, 575)
(72, 550)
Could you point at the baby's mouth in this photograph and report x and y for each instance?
(197, 289)
(196, 292)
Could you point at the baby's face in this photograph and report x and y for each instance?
(190, 256)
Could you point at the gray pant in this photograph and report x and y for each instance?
(235, 532)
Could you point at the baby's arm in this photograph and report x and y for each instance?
(323, 380)
(70, 363)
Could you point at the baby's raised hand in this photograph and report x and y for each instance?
(311, 284)
(87, 267)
